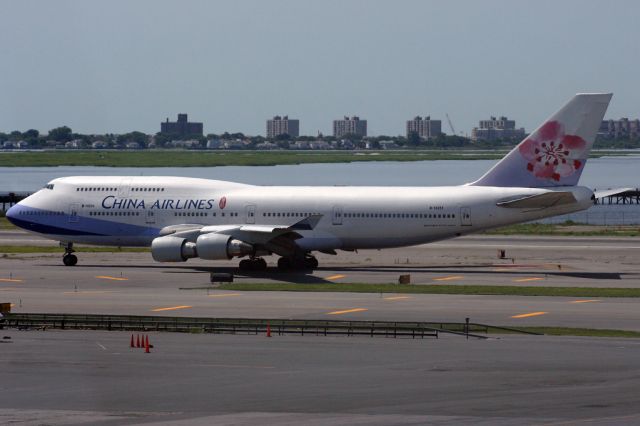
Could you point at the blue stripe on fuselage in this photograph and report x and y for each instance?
(53, 223)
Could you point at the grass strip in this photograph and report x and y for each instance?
(567, 229)
(569, 331)
(178, 158)
(60, 250)
(439, 289)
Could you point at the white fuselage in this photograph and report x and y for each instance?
(131, 211)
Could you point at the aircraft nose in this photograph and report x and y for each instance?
(12, 213)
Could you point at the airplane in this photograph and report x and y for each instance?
(183, 218)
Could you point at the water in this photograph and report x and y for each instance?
(605, 172)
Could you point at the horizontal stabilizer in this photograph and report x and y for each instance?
(540, 201)
(610, 192)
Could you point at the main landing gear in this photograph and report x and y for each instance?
(288, 264)
(254, 264)
(69, 259)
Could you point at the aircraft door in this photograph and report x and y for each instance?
(465, 216)
(74, 213)
(336, 215)
(150, 217)
(123, 189)
(250, 211)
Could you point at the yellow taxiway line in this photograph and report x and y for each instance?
(531, 314)
(397, 297)
(451, 278)
(107, 277)
(348, 311)
(584, 301)
(171, 308)
(87, 292)
(10, 280)
(335, 277)
(524, 280)
(225, 295)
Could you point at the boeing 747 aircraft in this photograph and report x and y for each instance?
(183, 218)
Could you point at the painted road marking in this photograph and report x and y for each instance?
(348, 311)
(584, 301)
(397, 298)
(501, 270)
(236, 366)
(451, 278)
(524, 280)
(10, 280)
(532, 314)
(102, 346)
(225, 295)
(171, 308)
(87, 292)
(107, 277)
(335, 277)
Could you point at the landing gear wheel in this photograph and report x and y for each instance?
(69, 260)
(284, 264)
(257, 264)
(311, 262)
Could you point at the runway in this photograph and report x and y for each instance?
(74, 377)
(67, 377)
(131, 283)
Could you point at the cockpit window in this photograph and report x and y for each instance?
(48, 186)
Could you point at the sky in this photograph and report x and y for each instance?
(117, 66)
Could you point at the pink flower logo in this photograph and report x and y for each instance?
(222, 203)
(551, 154)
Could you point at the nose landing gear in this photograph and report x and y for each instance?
(68, 258)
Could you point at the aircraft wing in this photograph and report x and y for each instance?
(539, 201)
(276, 238)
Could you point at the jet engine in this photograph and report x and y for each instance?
(207, 246)
(172, 249)
(220, 246)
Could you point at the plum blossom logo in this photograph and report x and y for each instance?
(222, 203)
(552, 154)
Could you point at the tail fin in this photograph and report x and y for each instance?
(556, 152)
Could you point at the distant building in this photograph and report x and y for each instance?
(619, 129)
(496, 129)
(282, 126)
(426, 128)
(181, 127)
(349, 126)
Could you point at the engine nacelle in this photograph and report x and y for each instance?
(220, 246)
(172, 249)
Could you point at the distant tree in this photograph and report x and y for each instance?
(60, 134)
(413, 139)
(283, 137)
(31, 134)
(135, 136)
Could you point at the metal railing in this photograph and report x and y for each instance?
(393, 329)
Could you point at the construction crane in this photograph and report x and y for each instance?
(453, 131)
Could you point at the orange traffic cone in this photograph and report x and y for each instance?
(268, 330)
(131, 344)
(146, 346)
